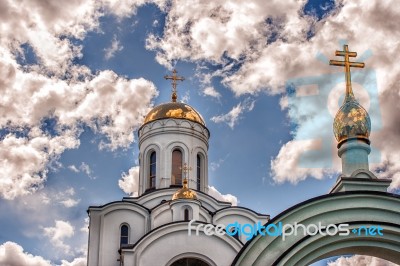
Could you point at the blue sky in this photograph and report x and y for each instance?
(68, 74)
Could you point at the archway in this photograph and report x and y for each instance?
(356, 208)
(189, 262)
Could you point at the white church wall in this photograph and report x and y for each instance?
(204, 216)
(157, 248)
(154, 199)
(111, 237)
(178, 208)
(94, 237)
(105, 224)
(161, 215)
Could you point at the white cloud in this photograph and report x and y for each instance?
(127, 8)
(368, 27)
(70, 191)
(215, 165)
(213, 192)
(208, 30)
(231, 118)
(210, 91)
(129, 182)
(84, 167)
(268, 43)
(24, 160)
(73, 168)
(64, 197)
(185, 98)
(287, 165)
(110, 105)
(114, 47)
(13, 254)
(58, 234)
(85, 227)
(360, 260)
(75, 262)
(55, 88)
(69, 203)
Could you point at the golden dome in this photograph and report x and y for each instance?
(184, 192)
(351, 121)
(174, 110)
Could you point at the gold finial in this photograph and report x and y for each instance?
(174, 78)
(185, 183)
(185, 192)
(347, 64)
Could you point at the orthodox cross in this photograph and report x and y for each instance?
(174, 78)
(347, 64)
(186, 169)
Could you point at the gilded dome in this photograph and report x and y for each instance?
(184, 192)
(174, 110)
(351, 121)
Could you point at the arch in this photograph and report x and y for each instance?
(155, 246)
(152, 170)
(170, 122)
(187, 213)
(313, 249)
(182, 146)
(176, 166)
(124, 234)
(189, 261)
(201, 152)
(355, 208)
(197, 256)
(199, 171)
(144, 172)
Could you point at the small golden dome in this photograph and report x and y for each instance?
(174, 110)
(351, 121)
(184, 192)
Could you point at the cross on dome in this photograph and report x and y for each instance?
(186, 169)
(174, 79)
(347, 64)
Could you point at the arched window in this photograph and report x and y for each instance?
(190, 262)
(186, 214)
(176, 175)
(198, 172)
(124, 235)
(152, 170)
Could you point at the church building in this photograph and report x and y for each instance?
(152, 229)
(170, 221)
